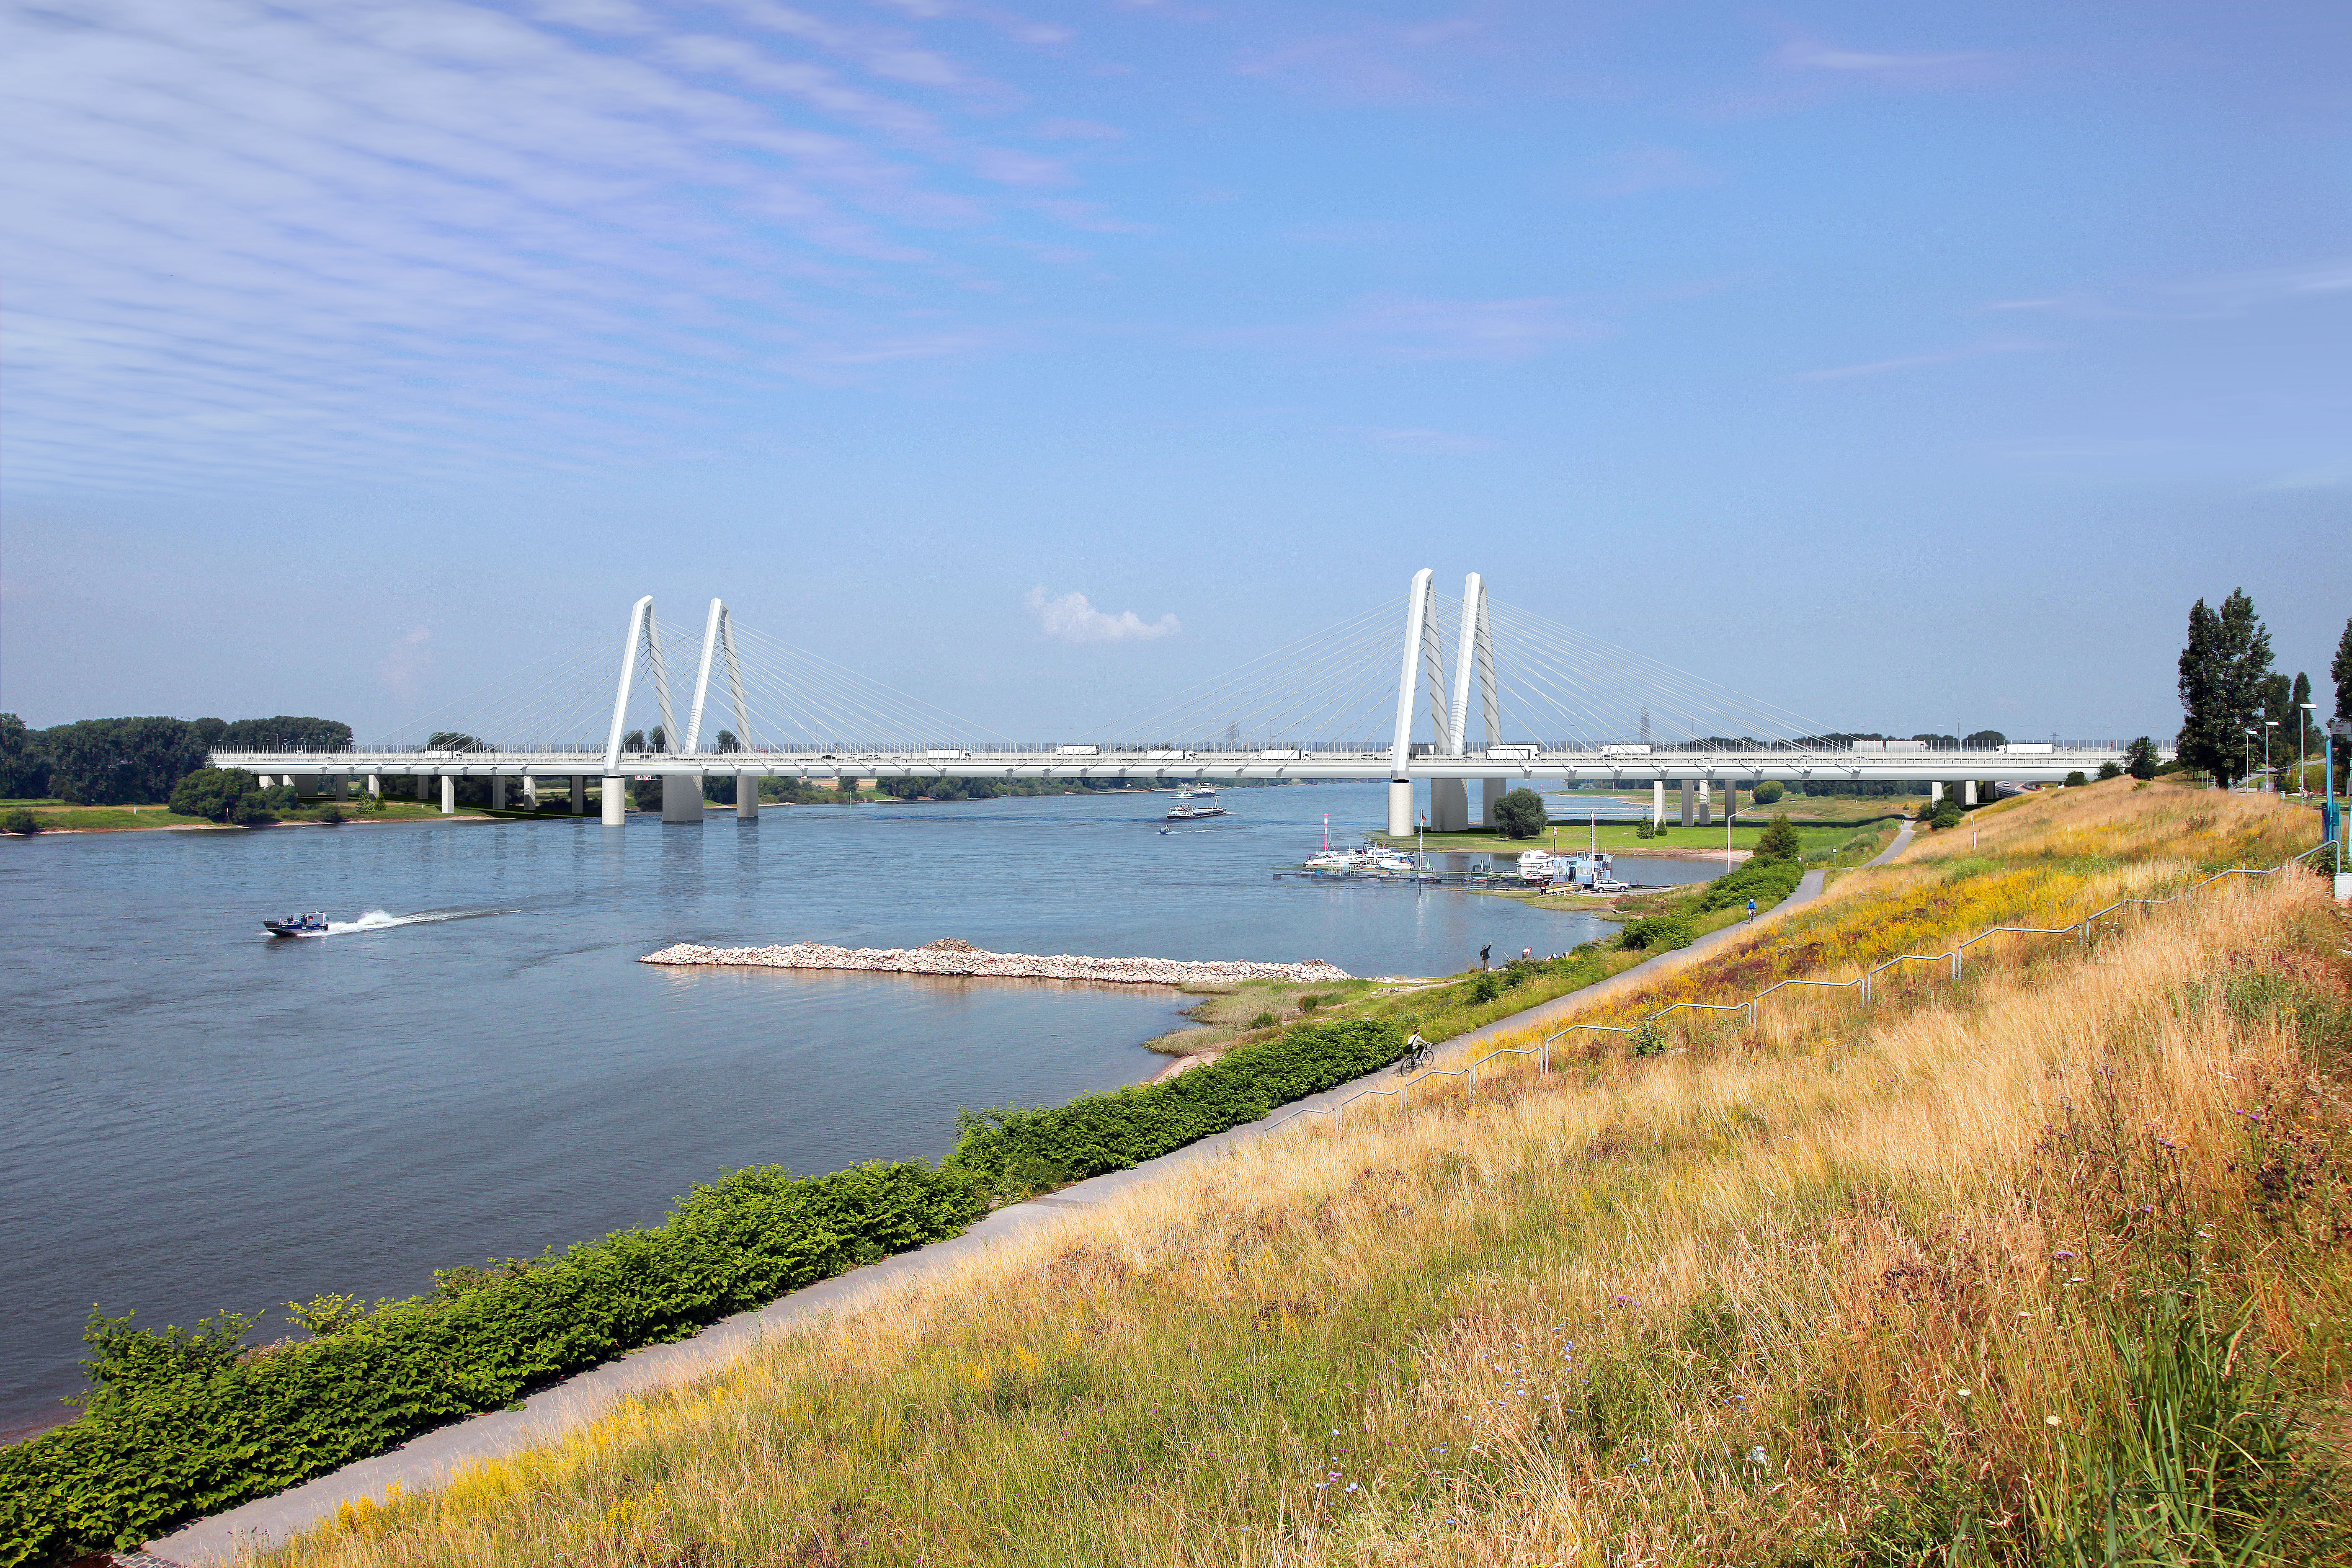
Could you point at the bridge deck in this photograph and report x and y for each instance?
(1303, 762)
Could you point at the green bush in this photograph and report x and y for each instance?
(1520, 814)
(189, 1423)
(1264, 1021)
(1659, 931)
(1486, 987)
(1766, 881)
(1769, 791)
(2079, 777)
(1779, 842)
(211, 793)
(20, 821)
(1016, 1151)
(2109, 770)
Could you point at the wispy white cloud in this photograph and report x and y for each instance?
(1428, 443)
(445, 239)
(1811, 55)
(1071, 618)
(2270, 284)
(1912, 362)
(1643, 167)
(407, 663)
(1418, 328)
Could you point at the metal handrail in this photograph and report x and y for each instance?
(1469, 1071)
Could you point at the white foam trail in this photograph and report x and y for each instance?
(385, 919)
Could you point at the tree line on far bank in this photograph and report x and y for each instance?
(140, 761)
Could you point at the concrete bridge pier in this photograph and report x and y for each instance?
(1490, 794)
(1400, 808)
(1968, 793)
(616, 801)
(579, 795)
(681, 798)
(448, 795)
(344, 787)
(375, 787)
(1449, 804)
(530, 791)
(498, 792)
(1935, 796)
(1706, 803)
(1657, 802)
(746, 797)
(1689, 810)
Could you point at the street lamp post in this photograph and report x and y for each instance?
(2250, 751)
(2268, 725)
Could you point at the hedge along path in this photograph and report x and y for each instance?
(1198, 1111)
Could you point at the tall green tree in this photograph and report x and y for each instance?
(212, 792)
(1521, 815)
(286, 732)
(2224, 669)
(122, 762)
(2339, 671)
(2139, 758)
(1779, 842)
(24, 761)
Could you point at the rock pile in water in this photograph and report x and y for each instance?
(952, 956)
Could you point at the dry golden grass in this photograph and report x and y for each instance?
(1855, 1285)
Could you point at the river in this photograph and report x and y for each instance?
(201, 1116)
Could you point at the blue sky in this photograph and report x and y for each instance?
(1906, 366)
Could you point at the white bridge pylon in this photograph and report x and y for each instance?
(681, 794)
(1424, 661)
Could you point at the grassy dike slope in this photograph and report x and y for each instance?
(2047, 1266)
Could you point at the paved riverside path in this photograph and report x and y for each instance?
(1559, 1008)
(426, 1460)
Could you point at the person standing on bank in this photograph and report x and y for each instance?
(1485, 956)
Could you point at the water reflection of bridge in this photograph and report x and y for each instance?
(797, 716)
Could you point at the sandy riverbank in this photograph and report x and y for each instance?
(951, 955)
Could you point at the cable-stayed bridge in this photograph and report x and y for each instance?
(1437, 692)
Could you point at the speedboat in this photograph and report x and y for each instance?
(312, 924)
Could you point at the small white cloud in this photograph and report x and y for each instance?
(1643, 167)
(1465, 329)
(1071, 618)
(1429, 443)
(1823, 57)
(2335, 477)
(405, 663)
(1908, 361)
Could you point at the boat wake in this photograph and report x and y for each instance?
(385, 919)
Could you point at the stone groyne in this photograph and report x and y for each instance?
(952, 955)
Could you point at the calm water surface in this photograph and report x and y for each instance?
(200, 1116)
